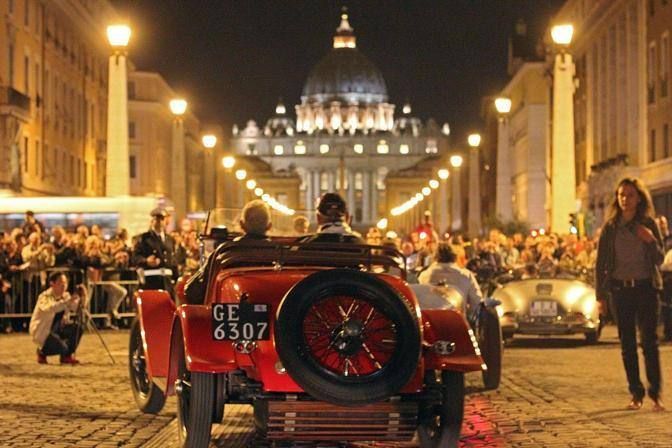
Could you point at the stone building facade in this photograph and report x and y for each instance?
(53, 96)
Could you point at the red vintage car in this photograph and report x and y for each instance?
(326, 341)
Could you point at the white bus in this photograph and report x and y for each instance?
(110, 213)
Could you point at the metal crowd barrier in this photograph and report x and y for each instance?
(26, 286)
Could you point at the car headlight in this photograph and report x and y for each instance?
(588, 307)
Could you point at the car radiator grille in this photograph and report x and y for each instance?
(320, 421)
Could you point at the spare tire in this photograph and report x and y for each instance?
(347, 337)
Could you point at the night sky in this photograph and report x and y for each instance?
(233, 59)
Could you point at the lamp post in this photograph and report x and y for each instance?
(178, 107)
(117, 170)
(443, 199)
(474, 211)
(209, 142)
(563, 173)
(456, 162)
(228, 184)
(503, 201)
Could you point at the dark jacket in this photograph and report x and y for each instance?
(606, 253)
(150, 243)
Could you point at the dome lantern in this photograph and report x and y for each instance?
(345, 35)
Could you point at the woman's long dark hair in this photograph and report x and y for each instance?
(645, 207)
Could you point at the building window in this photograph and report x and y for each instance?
(664, 64)
(382, 147)
(651, 75)
(278, 150)
(131, 90)
(11, 6)
(652, 146)
(131, 129)
(10, 64)
(131, 166)
(324, 181)
(45, 151)
(37, 158)
(26, 155)
(404, 149)
(359, 181)
(324, 148)
(26, 12)
(380, 177)
(300, 148)
(666, 140)
(26, 75)
(358, 148)
(652, 7)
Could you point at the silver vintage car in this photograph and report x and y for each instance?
(546, 306)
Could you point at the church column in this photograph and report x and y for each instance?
(366, 196)
(316, 185)
(351, 192)
(308, 179)
(374, 197)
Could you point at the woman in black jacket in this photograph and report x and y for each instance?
(629, 254)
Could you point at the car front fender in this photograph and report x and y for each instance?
(450, 326)
(155, 311)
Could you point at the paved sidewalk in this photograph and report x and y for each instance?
(555, 393)
(63, 406)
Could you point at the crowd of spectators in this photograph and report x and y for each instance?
(29, 251)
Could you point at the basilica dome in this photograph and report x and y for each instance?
(345, 92)
(345, 75)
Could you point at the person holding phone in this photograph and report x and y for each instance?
(630, 251)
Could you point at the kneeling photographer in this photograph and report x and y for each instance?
(54, 325)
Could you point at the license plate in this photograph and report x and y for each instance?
(235, 321)
(546, 308)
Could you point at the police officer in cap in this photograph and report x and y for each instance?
(155, 253)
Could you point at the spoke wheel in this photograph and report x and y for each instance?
(347, 337)
(195, 403)
(440, 423)
(149, 398)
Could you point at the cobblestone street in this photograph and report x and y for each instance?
(554, 392)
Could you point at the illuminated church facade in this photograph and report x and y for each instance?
(345, 136)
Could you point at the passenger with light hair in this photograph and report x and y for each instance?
(255, 220)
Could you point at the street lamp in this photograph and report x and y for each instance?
(117, 169)
(178, 107)
(228, 162)
(209, 141)
(209, 171)
(241, 174)
(563, 173)
(456, 162)
(474, 211)
(503, 203)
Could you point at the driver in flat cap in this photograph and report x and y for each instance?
(333, 222)
(155, 253)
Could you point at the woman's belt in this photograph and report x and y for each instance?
(631, 283)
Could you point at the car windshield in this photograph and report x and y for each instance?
(282, 224)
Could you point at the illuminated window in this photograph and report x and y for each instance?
(299, 148)
(359, 181)
(404, 149)
(380, 178)
(324, 181)
(383, 148)
(278, 150)
(431, 147)
(358, 148)
(324, 148)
